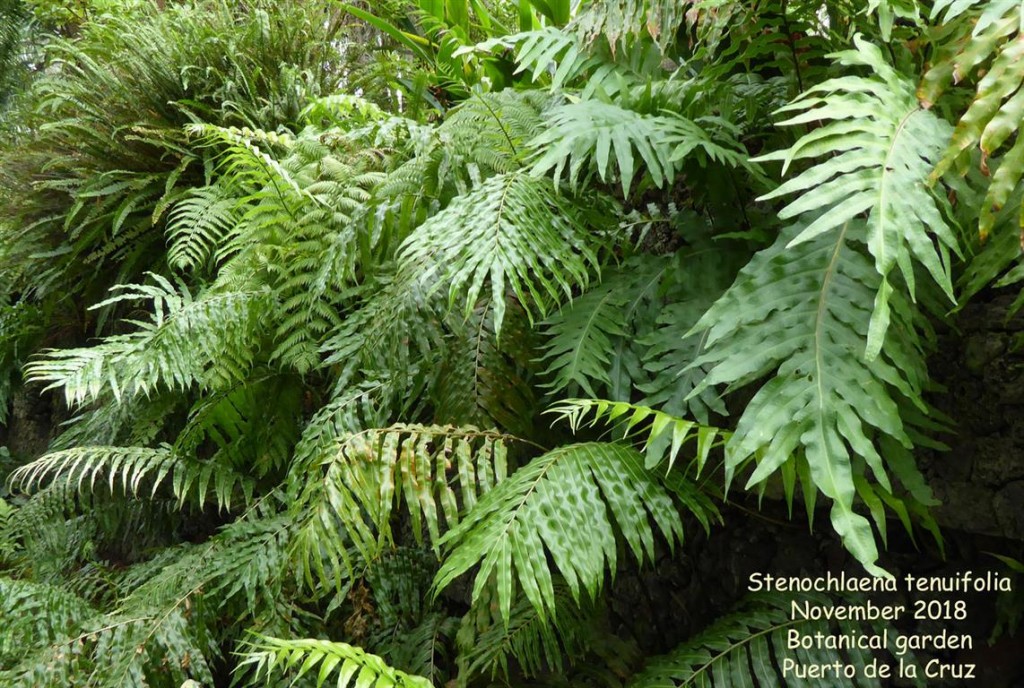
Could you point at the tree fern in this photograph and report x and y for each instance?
(887, 145)
(511, 528)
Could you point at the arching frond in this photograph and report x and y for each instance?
(198, 224)
(546, 51)
(138, 471)
(665, 433)
(265, 657)
(529, 640)
(485, 380)
(205, 341)
(366, 474)
(565, 503)
(595, 134)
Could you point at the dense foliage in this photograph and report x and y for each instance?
(387, 334)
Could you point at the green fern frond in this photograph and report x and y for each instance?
(886, 145)
(136, 470)
(34, 616)
(665, 432)
(749, 647)
(483, 380)
(204, 341)
(198, 224)
(797, 313)
(622, 21)
(591, 132)
(266, 656)
(488, 645)
(367, 473)
(544, 52)
(511, 232)
(565, 503)
(987, 39)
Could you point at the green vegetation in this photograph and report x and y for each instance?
(387, 334)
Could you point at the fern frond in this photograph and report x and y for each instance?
(987, 39)
(483, 380)
(529, 639)
(205, 341)
(565, 503)
(266, 656)
(622, 21)
(886, 146)
(796, 312)
(664, 432)
(366, 474)
(547, 51)
(749, 647)
(198, 224)
(511, 232)
(134, 470)
(591, 132)
(34, 616)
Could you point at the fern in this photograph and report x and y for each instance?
(621, 21)
(801, 313)
(511, 232)
(35, 615)
(748, 646)
(132, 468)
(664, 431)
(187, 342)
(266, 656)
(508, 531)
(987, 40)
(887, 147)
(600, 133)
(365, 474)
(198, 224)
